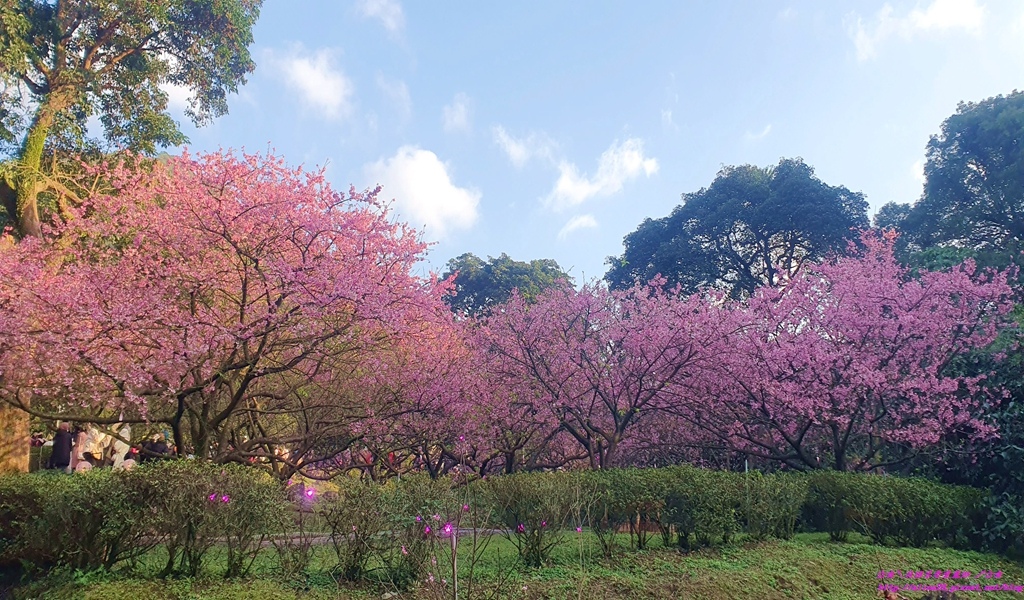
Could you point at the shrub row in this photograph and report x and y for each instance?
(101, 518)
(896, 510)
(697, 507)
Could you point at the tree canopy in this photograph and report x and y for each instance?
(481, 284)
(974, 181)
(235, 300)
(67, 61)
(752, 226)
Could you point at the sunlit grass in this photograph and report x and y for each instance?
(808, 566)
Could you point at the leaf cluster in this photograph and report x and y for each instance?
(750, 227)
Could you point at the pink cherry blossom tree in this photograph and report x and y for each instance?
(845, 365)
(600, 363)
(223, 296)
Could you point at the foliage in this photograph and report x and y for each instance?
(751, 227)
(199, 504)
(533, 509)
(848, 364)
(905, 511)
(233, 299)
(480, 285)
(596, 363)
(101, 518)
(69, 61)
(974, 179)
(771, 504)
(631, 498)
(354, 521)
(703, 504)
(85, 522)
(410, 505)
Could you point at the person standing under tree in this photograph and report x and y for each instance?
(60, 457)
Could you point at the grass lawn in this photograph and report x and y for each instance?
(809, 566)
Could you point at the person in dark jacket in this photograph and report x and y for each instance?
(60, 457)
(154, 448)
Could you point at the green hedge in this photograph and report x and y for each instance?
(907, 511)
(100, 518)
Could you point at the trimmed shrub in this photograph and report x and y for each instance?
(771, 504)
(355, 521)
(404, 553)
(633, 499)
(87, 521)
(902, 510)
(532, 509)
(702, 503)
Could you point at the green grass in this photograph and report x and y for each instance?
(809, 566)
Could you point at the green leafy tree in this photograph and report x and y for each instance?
(973, 206)
(481, 284)
(974, 180)
(751, 227)
(64, 61)
(892, 215)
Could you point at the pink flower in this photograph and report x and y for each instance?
(579, 530)
(447, 529)
(426, 530)
(404, 551)
(437, 517)
(418, 518)
(213, 497)
(465, 508)
(521, 528)
(225, 498)
(543, 523)
(310, 492)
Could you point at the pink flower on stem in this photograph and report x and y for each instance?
(426, 530)
(404, 551)
(465, 508)
(225, 498)
(521, 528)
(213, 498)
(447, 529)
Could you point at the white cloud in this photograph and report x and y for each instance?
(753, 137)
(617, 165)
(424, 192)
(577, 222)
(388, 12)
(398, 93)
(178, 96)
(521, 150)
(321, 85)
(940, 15)
(918, 170)
(456, 115)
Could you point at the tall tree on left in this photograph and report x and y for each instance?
(64, 61)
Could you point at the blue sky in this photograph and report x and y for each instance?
(552, 129)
